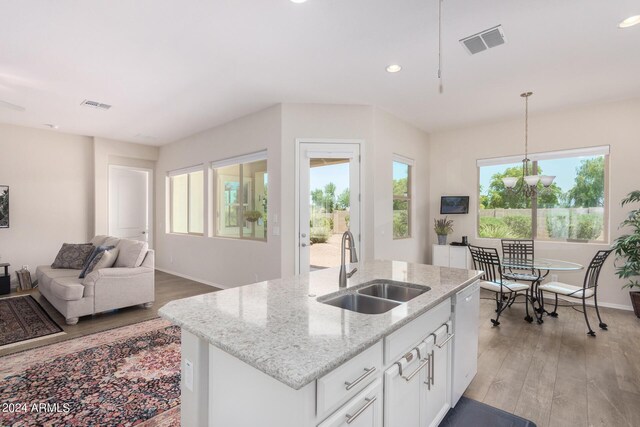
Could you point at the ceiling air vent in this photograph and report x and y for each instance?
(484, 40)
(95, 104)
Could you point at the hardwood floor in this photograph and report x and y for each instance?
(554, 374)
(167, 286)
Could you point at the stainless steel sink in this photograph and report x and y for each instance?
(391, 290)
(362, 303)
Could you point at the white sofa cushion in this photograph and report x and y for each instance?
(67, 288)
(506, 286)
(131, 253)
(565, 289)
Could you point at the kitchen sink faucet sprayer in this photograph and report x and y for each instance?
(353, 257)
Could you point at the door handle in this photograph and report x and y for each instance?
(414, 373)
(304, 245)
(144, 232)
(445, 341)
(352, 418)
(358, 380)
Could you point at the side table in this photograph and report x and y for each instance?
(5, 280)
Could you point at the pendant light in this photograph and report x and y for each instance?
(528, 184)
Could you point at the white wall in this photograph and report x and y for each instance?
(393, 136)
(50, 175)
(454, 153)
(315, 121)
(215, 260)
(230, 262)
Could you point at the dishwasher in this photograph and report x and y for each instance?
(465, 309)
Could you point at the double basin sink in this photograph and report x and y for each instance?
(377, 296)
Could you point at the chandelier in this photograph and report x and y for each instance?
(528, 183)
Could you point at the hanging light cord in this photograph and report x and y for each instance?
(440, 87)
(526, 126)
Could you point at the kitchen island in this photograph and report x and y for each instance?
(275, 353)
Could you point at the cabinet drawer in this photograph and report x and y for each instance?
(405, 338)
(347, 380)
(363, 410)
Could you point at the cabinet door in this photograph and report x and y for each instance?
(402, 391)
(364, 410)
(458, 257)
(436, 396)
(440, 255)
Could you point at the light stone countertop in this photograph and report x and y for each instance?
(280, 328)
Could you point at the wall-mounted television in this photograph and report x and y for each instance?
(454, 205)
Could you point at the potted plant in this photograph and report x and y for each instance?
(443, 227)
(627, 249)
(252, 216)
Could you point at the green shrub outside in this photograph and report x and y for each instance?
(557, 226)
(509, 227)
(400, 224)
(519, 225)
(319, 234)
(494, 228)
(588, 227)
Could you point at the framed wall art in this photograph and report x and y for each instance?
(4, 206)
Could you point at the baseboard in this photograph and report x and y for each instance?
(195, 279)
(590, 303)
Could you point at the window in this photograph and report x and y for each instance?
(573, 208)
(241, 197)
(402, 198)
(187, 201)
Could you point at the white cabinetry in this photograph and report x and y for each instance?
(436, 391)
(364, 410)
(452, 256)
(346, 381)
(417, 387)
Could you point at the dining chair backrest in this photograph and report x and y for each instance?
(593, 271)
(487, 260)
(518, 250)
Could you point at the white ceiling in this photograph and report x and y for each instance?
(173, 68)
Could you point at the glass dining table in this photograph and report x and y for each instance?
(538, 269)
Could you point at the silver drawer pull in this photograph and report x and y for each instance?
(433, 368)
(352, 418)
(445, 341)
(367, 372)
(424, 363)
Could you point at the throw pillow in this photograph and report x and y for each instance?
(104, 259)
(72, 255)
(97, 251)
(131, 253)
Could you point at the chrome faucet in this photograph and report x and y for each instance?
(353, 257)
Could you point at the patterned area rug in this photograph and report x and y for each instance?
(22, 319)
(128, 376)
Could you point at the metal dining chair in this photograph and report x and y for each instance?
(588, 289)
(488, 260)
(520, 251)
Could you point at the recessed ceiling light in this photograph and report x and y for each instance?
(630, 22)
(51, 125)
(394, 68)
(298, 1)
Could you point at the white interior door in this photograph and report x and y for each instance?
(129, 203)
(328, 202)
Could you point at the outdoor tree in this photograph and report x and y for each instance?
(343, 200)
(325, 199)
(588, 191)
